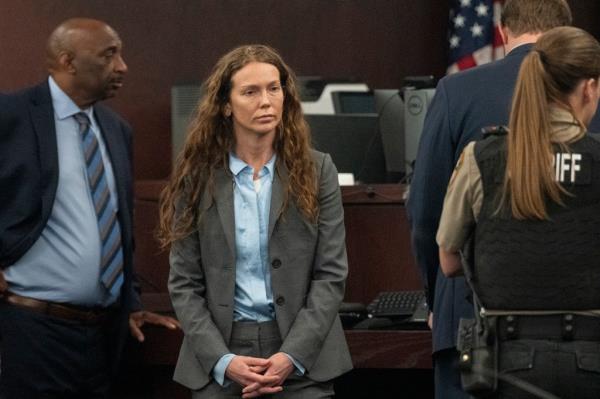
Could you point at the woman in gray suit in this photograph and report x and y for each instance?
(255, 223)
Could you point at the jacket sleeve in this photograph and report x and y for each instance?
(330, 268)
(433, 168)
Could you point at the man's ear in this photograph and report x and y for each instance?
(503, 34)
(65, 62)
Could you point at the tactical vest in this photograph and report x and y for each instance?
(540, 264)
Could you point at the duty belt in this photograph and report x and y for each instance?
(551, 325)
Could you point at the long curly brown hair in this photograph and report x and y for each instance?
(211, 138)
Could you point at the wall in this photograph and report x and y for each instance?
(177, 41)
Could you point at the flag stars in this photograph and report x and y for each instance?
(472, 33)
(482, 10)
(454, 41)
(459, 21)
(477, 30)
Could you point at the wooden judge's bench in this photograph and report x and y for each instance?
(387, 363)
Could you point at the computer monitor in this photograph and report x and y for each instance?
(354, 143)
(353, 102)
(390, 108)
(417, 101)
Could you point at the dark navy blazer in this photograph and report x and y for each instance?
(594, 126)
(463, 104)
(29, 179)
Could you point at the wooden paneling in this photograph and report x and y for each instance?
(390, 349)
(178, 41)
(378, 242)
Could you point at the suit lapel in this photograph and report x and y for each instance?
(224, 203)
(280, 177)
(42, 118)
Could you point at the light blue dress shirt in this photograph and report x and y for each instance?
(253, 299)
(64, 263)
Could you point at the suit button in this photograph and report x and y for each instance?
(276, 263)
(280, 300)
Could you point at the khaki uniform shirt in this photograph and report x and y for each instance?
(464, 195)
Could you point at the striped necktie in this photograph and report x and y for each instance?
(111, 263)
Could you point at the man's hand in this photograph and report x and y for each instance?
(430, 320)
(249, 371)
(138, 319)
(281, 367)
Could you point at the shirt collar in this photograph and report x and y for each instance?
(64, 107)
(520, 48)
(565, 127)
(236, 165)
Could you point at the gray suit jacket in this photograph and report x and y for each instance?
(308, 273)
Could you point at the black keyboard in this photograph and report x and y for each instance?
(396, 303)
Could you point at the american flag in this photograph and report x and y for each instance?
(474, 33)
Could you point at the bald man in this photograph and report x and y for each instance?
(67, 282)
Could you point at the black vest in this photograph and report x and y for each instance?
(540, 265)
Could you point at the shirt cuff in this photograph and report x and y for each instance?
(299, 369)
(218, 371)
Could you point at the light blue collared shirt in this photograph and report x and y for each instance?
(253, 300)
(64, 263)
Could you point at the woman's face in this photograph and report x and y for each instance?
(255, 100)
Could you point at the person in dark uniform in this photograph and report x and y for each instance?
(463, 104)
(531, 201)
